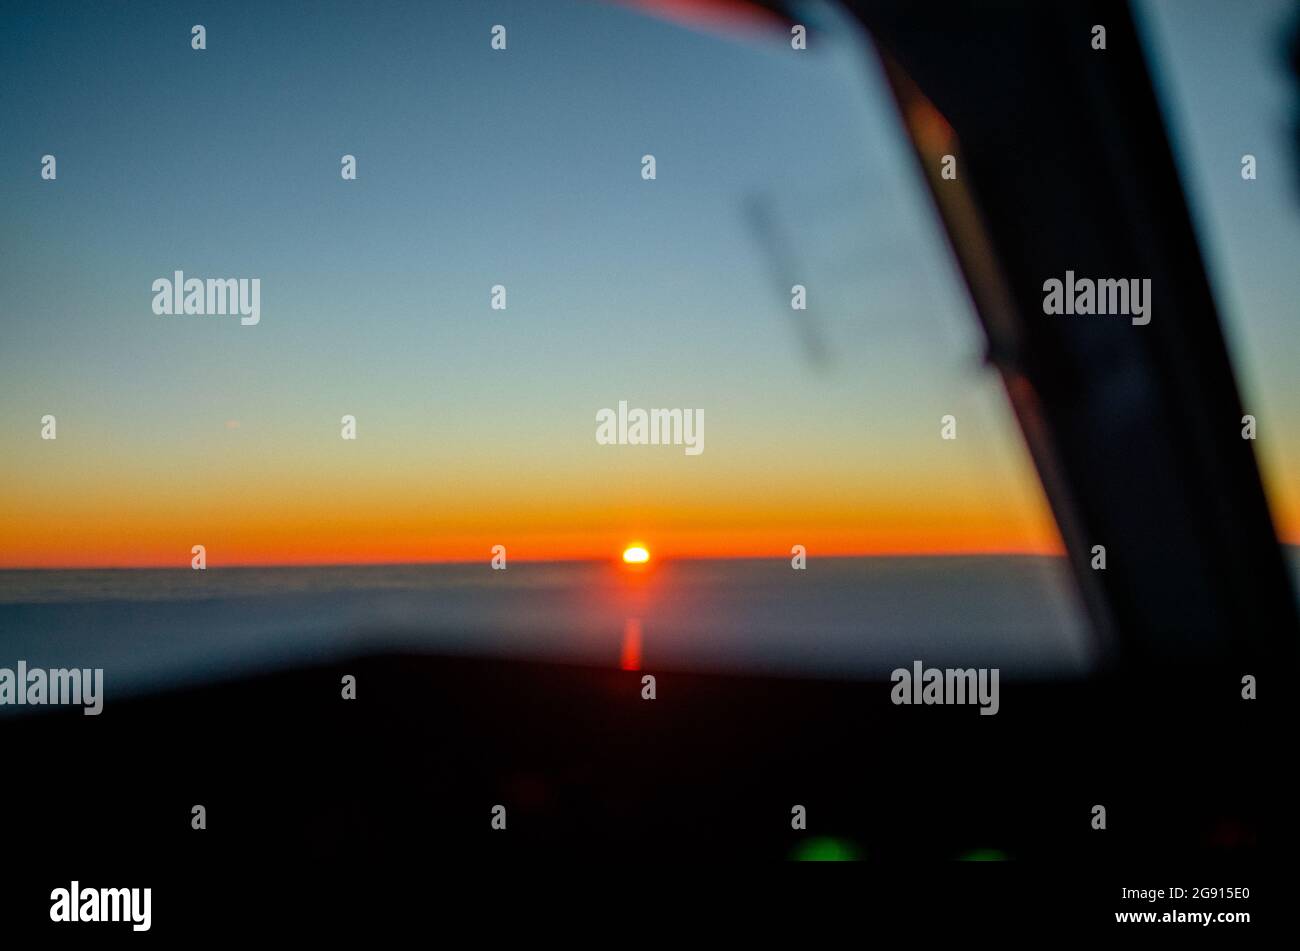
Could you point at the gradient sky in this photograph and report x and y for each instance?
(476, 427)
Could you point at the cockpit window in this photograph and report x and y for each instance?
(1231, 104)
(473, 313)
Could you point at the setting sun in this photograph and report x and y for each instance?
(635, 555)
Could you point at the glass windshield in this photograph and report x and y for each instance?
(478, 268)
(1230, 105)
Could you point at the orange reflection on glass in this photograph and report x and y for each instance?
(631, 644)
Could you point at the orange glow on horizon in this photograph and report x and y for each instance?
(135, 519)
(109, 525)
(233, 553)
(34, 539)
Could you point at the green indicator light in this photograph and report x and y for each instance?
(984, 855)
(825, 849)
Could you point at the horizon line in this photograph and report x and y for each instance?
(611, 559)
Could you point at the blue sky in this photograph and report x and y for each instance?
(520, 168)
